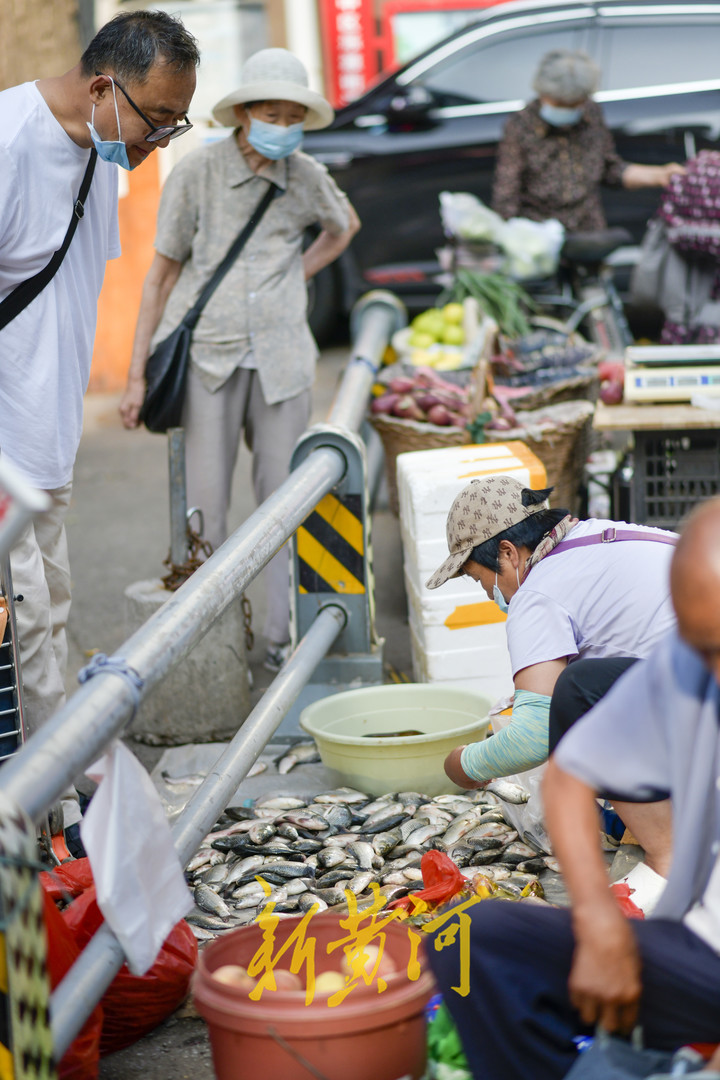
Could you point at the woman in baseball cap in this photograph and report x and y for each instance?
(584, 601)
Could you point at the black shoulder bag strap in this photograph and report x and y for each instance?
(236, 247)
(25, 293)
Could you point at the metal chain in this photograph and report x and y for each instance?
(179, 573)
(247, 620)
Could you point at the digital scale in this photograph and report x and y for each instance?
(671, 372)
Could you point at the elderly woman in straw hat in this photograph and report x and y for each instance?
(557, 151)
(253, 355)
(584, 601)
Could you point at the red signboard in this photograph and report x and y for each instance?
(349, 48)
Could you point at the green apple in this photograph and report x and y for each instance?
(453, 313)
(421, 340)
(453, 335)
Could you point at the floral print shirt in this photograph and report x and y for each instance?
(548, 172)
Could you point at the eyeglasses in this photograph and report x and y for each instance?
(156, 134)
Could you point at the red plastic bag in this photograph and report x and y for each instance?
(629, 908)
(134, 1005)
(81, 1061)
(442, 880)
(70, 879)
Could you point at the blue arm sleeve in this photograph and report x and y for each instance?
(521, 745)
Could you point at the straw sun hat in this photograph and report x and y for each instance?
(275, 75)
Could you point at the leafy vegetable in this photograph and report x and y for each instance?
(499, 297)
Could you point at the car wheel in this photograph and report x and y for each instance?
(322, 309)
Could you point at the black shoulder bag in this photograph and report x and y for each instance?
(24, 293)
(167, 366)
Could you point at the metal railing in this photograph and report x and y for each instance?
(100, 711)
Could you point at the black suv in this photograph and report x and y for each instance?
(434, 125)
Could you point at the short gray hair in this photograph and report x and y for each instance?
(566, 77)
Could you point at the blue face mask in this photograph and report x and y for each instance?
(274, 141)
(498, 597)
(557, 116)
(113, 150)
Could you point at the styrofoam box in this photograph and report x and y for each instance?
(429, 480)
(452, 618)
(486, 670)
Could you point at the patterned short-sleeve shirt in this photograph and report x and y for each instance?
(258, 311)
(547, 172)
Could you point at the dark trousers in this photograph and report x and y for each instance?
(581, 686)
(517, 1022)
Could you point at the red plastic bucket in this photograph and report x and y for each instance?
(369, 1034)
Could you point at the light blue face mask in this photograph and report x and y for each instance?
(113, 150)
(498, 597)
(557, 116)
(274, 141)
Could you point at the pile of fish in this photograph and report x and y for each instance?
(310, 851)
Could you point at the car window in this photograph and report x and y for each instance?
(501, 69)
(632, 56)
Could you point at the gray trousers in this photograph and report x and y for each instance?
(213, 425)
(41, 574)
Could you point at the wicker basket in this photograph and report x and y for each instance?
(562, 448)
(400, 436)
(586, 385)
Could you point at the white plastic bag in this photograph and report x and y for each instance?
(141, 889)
(532, 247)
(468, 218)
(527, 818)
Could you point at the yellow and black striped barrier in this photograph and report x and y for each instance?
(332, 564)
(331, 548)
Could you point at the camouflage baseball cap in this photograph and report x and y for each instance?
(482, 510)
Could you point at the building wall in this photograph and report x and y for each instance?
(37, 39)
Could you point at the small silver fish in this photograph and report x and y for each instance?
(191, 780)
(423, 834)
(243, 866)
(302, 754)
(209, 901)
(309, 900)
(507, 791)
(260, 832)
(348, 796)
(363, 853)
(305, 820)
(331, 856)
(360, 882)
(201, 858)
(279, 802)
(216, 875)
(256, 768)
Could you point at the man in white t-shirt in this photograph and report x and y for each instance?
(584, 601)
(541, 976)
(129, 93)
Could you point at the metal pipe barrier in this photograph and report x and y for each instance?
(101, 709)
(92, 973)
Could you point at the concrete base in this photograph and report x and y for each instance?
(206, 697)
